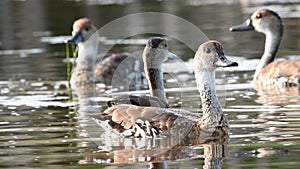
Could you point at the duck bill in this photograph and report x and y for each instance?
(246, 26)
(76, 38)
(171, 56)
(224, 62)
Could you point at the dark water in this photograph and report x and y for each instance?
(40, 126)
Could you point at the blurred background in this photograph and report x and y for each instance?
(29, 28)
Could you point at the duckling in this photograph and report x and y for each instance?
(139, 121)
(91, 68)
(269, 72)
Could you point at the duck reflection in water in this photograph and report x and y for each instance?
(212, 152)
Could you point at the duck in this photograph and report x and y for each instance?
(154, 54)
(118, 65)
(270, 73)
(141, 121)
(91, 67)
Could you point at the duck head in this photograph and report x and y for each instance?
(83, 29)
(156, 52)
(263, 20)
(210, 55)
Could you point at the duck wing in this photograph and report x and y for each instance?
(148, 101)
(137, 121)
(119, 67)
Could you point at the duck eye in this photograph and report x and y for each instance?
(87, 28)
(258, 16)
(207, 50)
(162, 46)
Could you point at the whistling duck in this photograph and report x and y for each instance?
(154, 54)
(139, 121)
(269, 72)
(88, 70)
(91, 67)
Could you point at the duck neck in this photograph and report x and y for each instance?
(272, 42)
(205, 80)
(155, 81)
(83, 74)
(87, 52)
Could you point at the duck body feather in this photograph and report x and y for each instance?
(120, 68)
(280, 73)
(137, 121)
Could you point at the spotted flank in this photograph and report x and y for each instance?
(142, 129)
(137, 121)
(281, 82)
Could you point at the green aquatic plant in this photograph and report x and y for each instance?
(70, 65)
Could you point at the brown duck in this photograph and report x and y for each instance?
(138, 121)
(269, 72)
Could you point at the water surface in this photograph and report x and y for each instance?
(41, 128)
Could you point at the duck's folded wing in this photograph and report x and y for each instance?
(148, 101)
(130, 120)
(121, 66)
